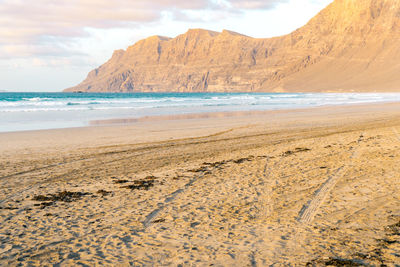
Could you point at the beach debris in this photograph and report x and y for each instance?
(239, 161)
(394, 229)
(292, 152)
(205, 167)
(215, 164)
(8, 208)
(335, 262)
(201, 169)
(193, 225)
(142, 184)
(44, 204)
(104, 192)
(64, 196)
(374, 256)
(120, 181)
(159, 220)
(179, 176)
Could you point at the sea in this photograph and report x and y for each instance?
(37, 111)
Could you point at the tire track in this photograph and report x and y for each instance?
(129, 154)
(169, 198)
(71, 172)
(147, 222)
(74, 172)
(396, 133)
(308, 212)
(170, 144)
(266, 177)
(93, 157)
(263, 179)
(144, 147)
(290, 235)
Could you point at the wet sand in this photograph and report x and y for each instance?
(316, 187)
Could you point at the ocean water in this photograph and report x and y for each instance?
(34, 111)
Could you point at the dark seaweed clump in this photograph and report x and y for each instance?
(335, 262)
(297, 150)
(242, 160)
(8, 208)
(120, 181)
(65, 196)
(51, 199)
(142, 184)
(159, 220)
(104, 192)
(207, 167)
(376, 255)
(394, 229)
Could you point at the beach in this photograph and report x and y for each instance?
(316, 186)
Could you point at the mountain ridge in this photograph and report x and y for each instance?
(351, 45)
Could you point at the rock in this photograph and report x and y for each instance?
(352, 45)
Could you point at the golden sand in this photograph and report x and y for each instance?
(315, 186)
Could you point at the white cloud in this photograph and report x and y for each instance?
(255, 4)
(52, 44)
(26, 19)
(31, 23)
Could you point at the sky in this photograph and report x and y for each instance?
(50, 45)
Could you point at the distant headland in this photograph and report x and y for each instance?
(350, 46)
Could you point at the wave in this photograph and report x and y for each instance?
(37, 99)
(185, 101)
(23, 111)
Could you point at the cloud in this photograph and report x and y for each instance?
(47, 27)
(255, 4)
(26, 19)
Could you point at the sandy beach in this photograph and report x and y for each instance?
(307, 187)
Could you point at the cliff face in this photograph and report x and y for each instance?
(352, 45)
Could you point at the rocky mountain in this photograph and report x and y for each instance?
(352, 45)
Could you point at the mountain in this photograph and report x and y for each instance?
(351, 45)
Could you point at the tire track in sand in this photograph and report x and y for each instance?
(309, 210)
(396, 133)
(169, 198)
(290, 235)
(172, 196)
(146, 147)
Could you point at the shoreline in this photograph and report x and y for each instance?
(84, 112)
(162, 128)
(223, 114)
(199, 116)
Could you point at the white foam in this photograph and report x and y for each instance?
(73, 110)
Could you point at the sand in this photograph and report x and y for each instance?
(310, 187)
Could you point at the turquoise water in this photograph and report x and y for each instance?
(34, 111)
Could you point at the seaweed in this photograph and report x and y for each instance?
(292, 152)
(142, 184)
(335, 262)
(120, 181)
(104, 192)
(239, 161)
(8, 208)
(64, 196)
(394, 228)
